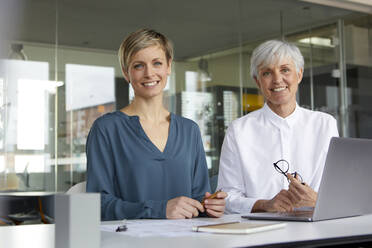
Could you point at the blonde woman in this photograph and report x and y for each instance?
(145, 161)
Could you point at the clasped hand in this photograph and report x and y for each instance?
(297, 195)
(184, 207)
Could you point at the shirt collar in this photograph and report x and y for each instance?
(279, 121)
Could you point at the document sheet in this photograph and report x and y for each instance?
(169, 228)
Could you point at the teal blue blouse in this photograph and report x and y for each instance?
(134, 177)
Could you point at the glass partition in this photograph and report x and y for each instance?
(28, 91)
(358, 60)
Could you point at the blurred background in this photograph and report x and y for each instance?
(59, 71)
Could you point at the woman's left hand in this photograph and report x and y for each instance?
(215, 207)
(302, 195)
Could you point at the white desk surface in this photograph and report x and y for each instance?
(43, 235)
(294, 231)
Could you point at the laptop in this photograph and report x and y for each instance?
(346, 186)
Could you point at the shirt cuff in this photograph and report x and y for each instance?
(239, 204)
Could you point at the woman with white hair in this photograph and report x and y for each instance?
(272, 159)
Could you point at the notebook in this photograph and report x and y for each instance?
(238, 227)
(345, 188)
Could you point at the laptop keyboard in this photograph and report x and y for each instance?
(296, 214)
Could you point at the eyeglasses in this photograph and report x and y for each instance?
(282, 166)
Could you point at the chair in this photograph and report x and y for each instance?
(77, 188)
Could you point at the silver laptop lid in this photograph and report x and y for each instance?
(346, 186)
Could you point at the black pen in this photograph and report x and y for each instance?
(122, 228)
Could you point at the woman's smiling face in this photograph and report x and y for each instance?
(279, 82)
(148, 72)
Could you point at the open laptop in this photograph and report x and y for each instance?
(346, 186)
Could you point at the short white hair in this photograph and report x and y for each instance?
(274, 51)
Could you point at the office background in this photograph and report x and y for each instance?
(59, 72)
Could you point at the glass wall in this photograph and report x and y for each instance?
(59, 72)
(358, 59)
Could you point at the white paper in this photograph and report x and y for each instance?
(168, 228)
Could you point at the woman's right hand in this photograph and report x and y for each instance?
(183, 208)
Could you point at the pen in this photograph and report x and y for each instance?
(212, 196)
(121, 228)
(196, 228)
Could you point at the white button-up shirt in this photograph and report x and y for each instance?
(257, 140)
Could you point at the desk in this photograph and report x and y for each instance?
(294, 231)
(41, 236)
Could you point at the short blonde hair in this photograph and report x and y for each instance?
(139, 40)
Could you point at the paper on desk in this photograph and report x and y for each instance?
(169, 228)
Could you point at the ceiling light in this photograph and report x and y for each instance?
(317, 41)
(364, 6)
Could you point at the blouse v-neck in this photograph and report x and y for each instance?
(135, 121)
